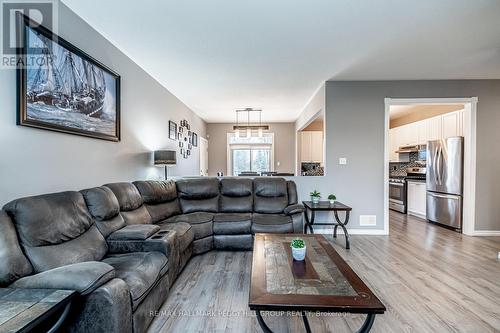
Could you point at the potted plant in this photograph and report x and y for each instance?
(315, 196)
(332, 198)
(298, 249)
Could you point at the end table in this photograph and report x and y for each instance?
(327, 206)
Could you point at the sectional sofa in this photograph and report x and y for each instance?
(122, 245)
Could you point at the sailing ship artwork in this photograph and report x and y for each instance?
(66, 90)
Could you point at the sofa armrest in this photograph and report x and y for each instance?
(158, 242)
(84, 277)
(294, 209)
(134, 232)
(107, 309)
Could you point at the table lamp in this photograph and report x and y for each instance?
(166, 158)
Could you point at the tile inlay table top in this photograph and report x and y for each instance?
(22, 310)
(322, 282)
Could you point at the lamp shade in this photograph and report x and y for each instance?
(165, 157)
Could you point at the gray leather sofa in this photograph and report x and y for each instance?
(122, 245)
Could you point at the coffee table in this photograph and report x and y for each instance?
(323, 282)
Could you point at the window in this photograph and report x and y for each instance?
(254, 154)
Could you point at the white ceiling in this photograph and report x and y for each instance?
(220, 55)
(400, 111)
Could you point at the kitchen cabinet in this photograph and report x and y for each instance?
(451, 124)
(417, 198)
(422, 130)
(311, 149)
(434, 128)
(408, 135)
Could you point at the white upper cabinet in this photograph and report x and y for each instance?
(317, 147)
(451, 124)
(422, 129)
(311, 149)
(434, 128)
(418, 133)
(408, 135)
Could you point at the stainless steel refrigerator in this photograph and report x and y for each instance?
(445, 165)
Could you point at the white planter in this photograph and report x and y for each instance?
(315, 200)
(299, 254)
(332, 202)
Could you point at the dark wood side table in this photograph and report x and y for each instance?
(24, 310)
(327, 206)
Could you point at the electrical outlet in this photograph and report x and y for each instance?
(342, 161)
(498, 256)
(368, 220)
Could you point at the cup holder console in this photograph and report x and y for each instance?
(160, 234)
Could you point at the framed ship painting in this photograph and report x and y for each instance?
(61, 88)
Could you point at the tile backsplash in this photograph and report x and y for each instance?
(398, 169)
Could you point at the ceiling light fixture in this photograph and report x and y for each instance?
(249, 126)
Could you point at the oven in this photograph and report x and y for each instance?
(397, 194)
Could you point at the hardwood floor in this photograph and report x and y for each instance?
(430, 279)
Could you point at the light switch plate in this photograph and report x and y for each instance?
(368, 220)
(342, 161)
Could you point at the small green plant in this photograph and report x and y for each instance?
(315, 194)
(298, 243)
(332, 197)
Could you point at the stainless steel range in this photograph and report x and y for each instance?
(397, 194)
(398, 187)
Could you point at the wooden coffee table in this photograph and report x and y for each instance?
(324, 282)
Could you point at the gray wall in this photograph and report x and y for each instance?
(35, 161)
(355, 129)
(284, 146)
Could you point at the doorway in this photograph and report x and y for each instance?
(469, 137)
(203, 157)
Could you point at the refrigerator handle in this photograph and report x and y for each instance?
(439, 164)
(434, 162)
(443, 196)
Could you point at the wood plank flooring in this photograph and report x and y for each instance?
(430, 279)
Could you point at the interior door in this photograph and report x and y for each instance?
(203, 157)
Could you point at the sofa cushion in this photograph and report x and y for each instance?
(137, 216)
(135, 232)
(128, 196)
(236, 195)
(101, 202)
(155, 192)
(50, 218)
(160, 198)
(90, 246)
(232, 223)
(56, 230)
(271, 223)
(183, 233)
(201, 223)
(104, 208)
(13, 263)
(139, 270)
(198, 195)
(84, 277)
(270, 195)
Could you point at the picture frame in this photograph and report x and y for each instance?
(195, 140)
(71, 93)
(172, 130)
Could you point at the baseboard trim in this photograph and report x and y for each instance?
(483, 233)
(373, 232)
